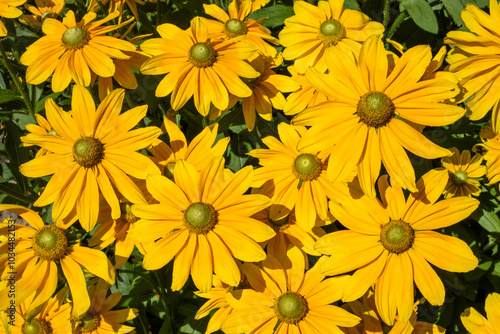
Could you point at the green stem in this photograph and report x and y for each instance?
(158, 12)
(386, 13)
(396, 24)
(15, 79)
(163, 294)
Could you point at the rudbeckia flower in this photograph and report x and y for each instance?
(93, 151)
(8, 10)
(73, 50)
(371, 100)
(314, 32)
(390, 243)
(491, 145)
(204, 221)
(44, 9)
(463, 171)
(117, 5)
(40, 250)
(476, 323)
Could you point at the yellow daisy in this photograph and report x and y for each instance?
(255, 4)
(8, 10)
(463, 170)
(314, 32)
(299, 177)
(43, 127)
(475, 59)
(116, 5)
(93, 151)
(40, 249)
(235, 24)
(491, 145)
(72, 51)
(198, 66)
(372, 100)
(476, 323)
(284, 299)
(204, 220)
(390, 243)
(44, 9)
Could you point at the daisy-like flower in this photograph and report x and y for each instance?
(475, 60)
(204, 220)
(491, 145)
(255, 4)
(372, 100)
(476, 323)
(266, 89)
(314, 32)
(43, 127)
(39, 250)
(74, 50)
(8, 10)
(235, 24)
(285, 300)
(198, 66)
(390, 243)
(93, 150)
(44, 9)
(100, 319)
(299, 177)
(463, 170)
(117, 5)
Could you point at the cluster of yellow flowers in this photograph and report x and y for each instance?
(246, 238)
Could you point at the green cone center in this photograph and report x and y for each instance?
(50, 243)
(37, 326)
(126, 211)
(200, 218)
(168, 170)
(234, 28)
(75, 37)
(459, 178)
(290, 307)
(307, 167)
(202, 55)
(375, 109)
(280, 222)
(250, 82)
(88, 152)
(331, 32)
(397, 236)
(89, 322)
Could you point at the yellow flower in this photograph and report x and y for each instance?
(8, 10)
(372, 100)
(234, 25)
(476, 58)
(43, 127)
(491, 143)
(117, 5)
(299, 177)
(390, 243)
(39, 249)
(284, 299)
(198, 66)
(255, 4)
(100, 319)
(73, 51)
(44, 9)
(204, 220)
(93, 150)
(475, 323)
(463, 170)
(313, 33)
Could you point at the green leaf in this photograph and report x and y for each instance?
(7, 95)
(17, 153)
(490, 221)
(351, 4)
(276, 15)
(422, 14)
(454, 8)
(14, 191)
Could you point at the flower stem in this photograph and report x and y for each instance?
(386, 13)
(163, 295)
(6, 62)
(396, 24)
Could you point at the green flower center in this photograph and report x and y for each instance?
(200, 218)
(202, 55)
(280, 224)
(88, 152)
(127, 215)
(251, 82)
(75, 38)
(290, 307)
(397, 236)
(168, 170)
(331, 32)
(375, 109)
(89, 322)
(307, 167)
(50, 243)
(234, 28)
(37, 326)
(459, 178)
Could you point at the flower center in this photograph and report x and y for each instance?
(50, 243)
(37, 326)
(75, 38)
(459, 178)
(168, 170)
(88, 151)
(250, 82)
(331, 32)
(397, 236)
(280, 224)
(202, 55)
(234, 28)
(127, 215)
(375, 109)
(89, 322)
(200, 218)
(307, 167)
(290, 307)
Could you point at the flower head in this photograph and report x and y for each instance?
(8, 10)
(44, 9)
(463, 171)
(475, 323)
